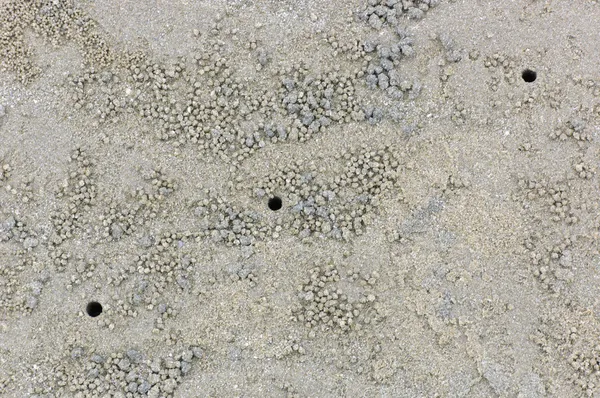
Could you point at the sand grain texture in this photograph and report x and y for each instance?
(438, 235)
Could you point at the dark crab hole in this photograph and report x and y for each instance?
(93, 309)
(529, 75)
(275, 203)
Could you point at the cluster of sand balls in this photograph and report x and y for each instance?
(153, 271)
(324, 304)
(164, 257)
(210, 108)
(165, 312)
(289, 347)
(370, 171)
(502, 63)
(315, 102)
(55, 21)
(452, 52)
(120, 374)
(575, 129)
(583, 169)
(573, 348)
(454, 184)
(19, 294)
(22, 191)
(554, 194)
(123, 219)
(210, 111)
(15, 55)
(243, 272)
(381, 12)
(60, 259)
(80, 193)
(352, 49)
(16, 230)
(552, 264)
(584, 359)
(381, 71)
(109, 102)
(223, 222)
(146, 291)
(5, 172)
(338, 206)
(60, 20)
(10, 284)
(84, 270)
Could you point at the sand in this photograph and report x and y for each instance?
(436, 165)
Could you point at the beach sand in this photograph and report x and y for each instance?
(344, 198)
